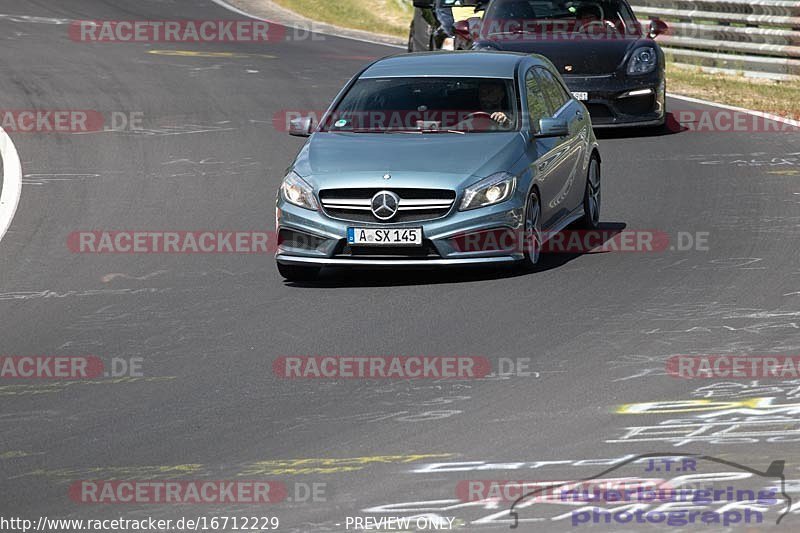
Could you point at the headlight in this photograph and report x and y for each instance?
(643, 61)
(298, 192)
(492, 190)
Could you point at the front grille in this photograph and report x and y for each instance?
(426, 251)
(415, 205)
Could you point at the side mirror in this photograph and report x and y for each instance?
(301, 127)
(553, 127)
(657, 27)
(474, 24)
(462, 28)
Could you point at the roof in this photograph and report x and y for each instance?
(466, 64)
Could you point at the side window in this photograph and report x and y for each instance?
(555, 93)
(537, 105)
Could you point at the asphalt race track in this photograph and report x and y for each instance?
(204, 329)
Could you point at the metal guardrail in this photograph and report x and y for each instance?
(758, 38)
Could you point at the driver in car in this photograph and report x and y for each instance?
(590, 19)
(491, 96)
(588, 14)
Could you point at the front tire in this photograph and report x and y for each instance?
(298, 273)
(532, 243)
(592, 196)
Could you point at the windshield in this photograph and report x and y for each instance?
(426, 105)
(530, 16)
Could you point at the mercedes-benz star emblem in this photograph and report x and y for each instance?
(385, 205)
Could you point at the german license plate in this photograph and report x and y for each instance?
(582, 96)
(384, 237)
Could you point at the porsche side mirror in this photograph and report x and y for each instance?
(657, 27)
(474, 24)
(462, 28)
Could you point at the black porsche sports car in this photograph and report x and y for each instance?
(608, 59)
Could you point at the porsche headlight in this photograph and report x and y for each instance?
(296, 191)
(643, 61)
(489, 191)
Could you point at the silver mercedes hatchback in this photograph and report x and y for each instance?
(439, 159)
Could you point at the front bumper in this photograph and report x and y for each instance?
(312, 238)
(611, 104)
(392, 263)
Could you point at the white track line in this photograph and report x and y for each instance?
(12, 182)
(769, 116)
(238, 11)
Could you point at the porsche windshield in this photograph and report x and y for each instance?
(615, 14)
(426, 105)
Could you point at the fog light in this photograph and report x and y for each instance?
(298, 239)
(638, 92)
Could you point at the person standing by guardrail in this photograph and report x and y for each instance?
(444, 14)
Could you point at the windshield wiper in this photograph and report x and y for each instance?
(510, 32)
(426, 131)
(420, 132)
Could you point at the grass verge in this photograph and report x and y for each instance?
(389, 17)
(779, 98)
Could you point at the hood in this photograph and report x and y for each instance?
(586, 56)
(440, 160)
